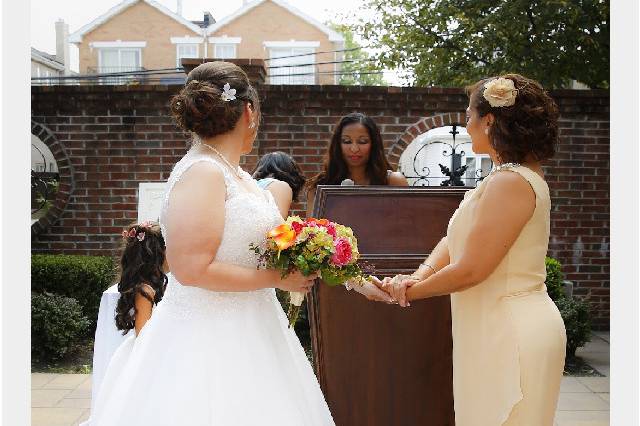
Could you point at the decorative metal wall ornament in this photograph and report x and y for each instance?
(43, 186)
(452, 175)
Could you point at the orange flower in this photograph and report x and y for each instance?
(284, 236)
(322, 222)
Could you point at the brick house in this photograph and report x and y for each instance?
(143, 34)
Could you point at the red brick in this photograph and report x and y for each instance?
(110, 154)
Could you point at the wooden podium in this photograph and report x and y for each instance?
(379, 364)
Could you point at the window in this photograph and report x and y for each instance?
(185, 51)
(225, 47)
(420, 162)
(119, 60)
(224, 51)
(477, 167)
(292, 65)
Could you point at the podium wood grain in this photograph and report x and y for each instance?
(378, 364)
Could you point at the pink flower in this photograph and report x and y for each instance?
(323, 223)
(331, 229)
(140, 236)
(297, 226)
(132, 232)
(343, 254)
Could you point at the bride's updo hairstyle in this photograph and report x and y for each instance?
(529, 126)
(201, 108)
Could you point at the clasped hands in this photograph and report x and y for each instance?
(388, 290)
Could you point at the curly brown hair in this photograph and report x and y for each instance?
(527, 128)
(199, 106)
(142, 261)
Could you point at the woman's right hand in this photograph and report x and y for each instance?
(295, 281)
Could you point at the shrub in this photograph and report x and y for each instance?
(56, 324)
(554, 279)
(82, 278)
(577, 322)
(575, 313)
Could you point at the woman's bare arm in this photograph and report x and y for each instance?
(195, 220)
(502, 211)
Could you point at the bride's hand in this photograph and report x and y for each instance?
(371, 289)
(397, 287)
(295, 281)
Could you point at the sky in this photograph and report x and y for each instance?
(76, 13)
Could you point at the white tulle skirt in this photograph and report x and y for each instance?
(208, 358)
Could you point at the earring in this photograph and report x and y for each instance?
(486, 131)
(252, 125)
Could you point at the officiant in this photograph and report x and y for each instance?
(355, 156)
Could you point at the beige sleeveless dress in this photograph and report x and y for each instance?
(508, 336)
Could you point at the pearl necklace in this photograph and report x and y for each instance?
(505, 166)
(224, 159)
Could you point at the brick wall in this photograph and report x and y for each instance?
(108, 139)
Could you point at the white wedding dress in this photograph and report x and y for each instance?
(215, 358)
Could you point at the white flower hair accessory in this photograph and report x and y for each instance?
(500, 92)
(228, 94)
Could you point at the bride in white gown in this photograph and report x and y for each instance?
(217, 350)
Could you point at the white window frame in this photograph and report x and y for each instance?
(181, 41)
(294, 47)
(221, 45)
(120, 50)
(179, 57)
(225, 41)
(478, 164)
(118, 44)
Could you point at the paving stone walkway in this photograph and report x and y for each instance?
(65, 399)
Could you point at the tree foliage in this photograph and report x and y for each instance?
(455, 42)
(358, 69)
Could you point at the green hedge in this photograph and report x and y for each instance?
(575, 313)
(57, 322)
(577, 322)
(554, 279)
(83, 278)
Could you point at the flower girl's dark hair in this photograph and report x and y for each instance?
(142, 261)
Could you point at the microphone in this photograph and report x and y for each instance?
(347, 182)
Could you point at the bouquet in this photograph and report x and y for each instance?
(310, 246)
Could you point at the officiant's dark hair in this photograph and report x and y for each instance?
(200, 106)
(280, 165)
(530, 126)
(335, 167)
(142, 262)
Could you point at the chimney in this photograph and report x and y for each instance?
(62, 44)
(179, 8)
(208, 19)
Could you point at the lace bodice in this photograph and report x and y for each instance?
(248, 218)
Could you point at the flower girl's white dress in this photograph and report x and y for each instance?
(215, 358)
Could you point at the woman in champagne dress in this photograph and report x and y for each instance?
(508, 336)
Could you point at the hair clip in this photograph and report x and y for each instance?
(500, 92)
(229, 94)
